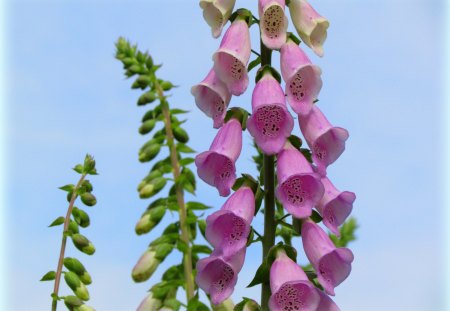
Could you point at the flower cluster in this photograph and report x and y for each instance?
(302, 184)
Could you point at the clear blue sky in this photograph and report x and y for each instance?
(383, 81)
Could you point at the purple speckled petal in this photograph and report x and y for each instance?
(273, 23)
(335, 206)
(216, 13)
(303, 81)
(299, 188)
(333, 265)
(231, 59)
(326, 142)
(270, 123)
(212, 97)
(311, 27)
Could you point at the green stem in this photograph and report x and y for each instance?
(269, 198)
(63, 243)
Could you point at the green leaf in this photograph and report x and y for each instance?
(178, 111)
(186, 161)
(202, 227)
(58, 221)
(173, 273)
(67, 188)
(261, 275)
(254, 63)
(196, 206)
(172, 304)
(182, 246)
(184, 148)
(201, 249)
(78, 168)
(49, 276)
(195, 305)
(307, 154)
(347, 232)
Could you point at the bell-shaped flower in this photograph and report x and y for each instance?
(212, 97)
(303, 81)
(217, 167)
(230, 60)
(228, 228)
(270, 123)
(291, 289)
(310, 26)
(333, 265)
(335, 206)
(217, 274)
(326, 142)
(273, 23)
(299, 188)
(216, 13)
(326, 303)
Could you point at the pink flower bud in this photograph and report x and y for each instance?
(217, 167)
(273, 23)
(270, 123)
(326, 142)
(303, 81)
(310, 26)
(212, 97)
(333, 265)
(216, 13)
(335, 206)
(230, 60)
(299, 188)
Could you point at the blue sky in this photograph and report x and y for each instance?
(66, 96)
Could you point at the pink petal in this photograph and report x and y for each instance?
(295, 295)
(283, 270)
(273, 23)
(326, 303)
(216, 13)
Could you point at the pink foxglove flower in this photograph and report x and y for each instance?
(216, 13)
(326, 303)
(217, 274)
(333, 265)
(303, 81)
(228, 228)
(212, 97)
(335, 206)
(230, 60)
(270, 123)
(273, 23)
(311, 27)
(217, 167)
(299, 188)
(291, 289)
(327, 142)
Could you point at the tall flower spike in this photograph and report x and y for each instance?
(291, 289)
(335, 206)
(228, 228)
(217, 167)
(212, 97)
(270, 123)
(333, 265)
(273, 23)
(303, 81)
(230, 60)
(327, 142)
(216, 13)
(310, 26)
(217, 275)
(299, 188)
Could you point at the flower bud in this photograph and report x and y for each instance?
(81, 217)
(83, 308)
(147, 126)
(152, 188)
(72, 301)
(89, 164)
(74, 265)
(150, 219)
(180, 134)
(146, 98)
(146, 265)
(149, 303)
(149, 152)
(166, 85)
(226, 305)
(76, 285)
(88, 199)
(83, 244)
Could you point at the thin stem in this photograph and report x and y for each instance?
(187, 256)
(63, 243)
(269, 198)
(256, 53)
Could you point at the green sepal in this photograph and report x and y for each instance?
(247, 304)
(295, 141)
(196, 206)
(58, 221)
(315, 216)
(186, 161)
(173, 273)
(49, 276)
(280, 247)
(292, 37)
(78, 168)
(172, 304)
(267, 69)
(261, 275)
(89, 165)
(254, 63)
(307, 154)
(68, 188)
(240, 114)
(243, 14)
(195, 305)
(202, 227)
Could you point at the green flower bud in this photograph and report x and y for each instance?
(149, 152)
(152, 188)
(83, 308)
(74, 265)
(149, 303)
(72, 301)
(147, 126)
(144, 81)
(180, 134)
(166, 85)
(146, 265)
(89, 164)
(81, 217)
(88, 199)
(87, 186)
(83, 244)
(150, 219)
(146, 98)
(73, 227)
(226, 305)
(76, 285)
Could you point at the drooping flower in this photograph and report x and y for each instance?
(216, 167)
(327, 142)
(216, 13)
(228, 228)
(310, 26)
(335, 206)
(270, 123)
(212, 97)
(273, 23)
(291, 289)
(299, 188)
(303, 81)
(230, 60)
(326, 303)
(333, 265)
(217, 274)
